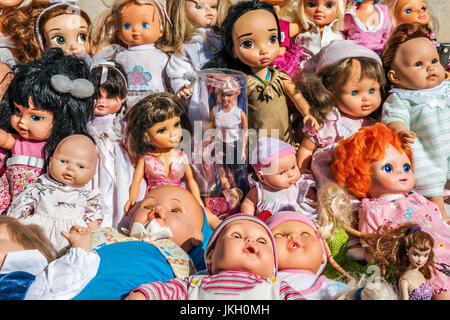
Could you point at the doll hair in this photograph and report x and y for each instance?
(319, 87)
(29, 236)
(390, 247)
(225, 59)
(156, 107)
(377, 289)
(173, 39)
(354, 155)
(339, 25)
(24, 29)
(108, 28)
(400, 35)
(32, 84)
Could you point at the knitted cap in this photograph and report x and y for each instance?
(267, 150)
(338, 50)
(237, 217)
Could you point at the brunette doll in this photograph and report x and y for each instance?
(251, 40)
(374, 166)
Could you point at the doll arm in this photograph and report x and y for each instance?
(403, 285)
(396, 115)
(304, 155)
(406, 136)
(93, 215)
(300, 103)
(135, 184)
(244, 123)
(7, 140)
(248, 206)
(173, 289)
(180, 71)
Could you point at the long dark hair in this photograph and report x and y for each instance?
(224, 58)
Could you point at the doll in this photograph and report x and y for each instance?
(344, 91)
(132, 29)
(279, 186)
(408, 11)
(373, 165)
(62, 197)
(47, 100)
(241, 260)
(151, 253)
(115, 170)
(418, 106)
(43, 25)
(6, 77)
(29, 269)
(302, 256)
(376, 289)
(251, 40)
(410, 249)
(368, 23)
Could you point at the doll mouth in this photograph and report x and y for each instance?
(423, 16)
(67, 176)
(432, 76)
(264, 60)
(366, 107)
(249, 249)
(293, 244)
(318, 17)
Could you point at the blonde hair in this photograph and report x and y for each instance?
(339, 25)
(377, 289)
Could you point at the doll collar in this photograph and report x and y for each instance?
(312, 24)
(31, 261)
(142, 47)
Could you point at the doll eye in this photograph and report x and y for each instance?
(406, 167)
(247, 44)
(388, 168)
(127, 26)
(198, 7)
(408, 11)
(305, 234)
(176, 210)
(279, 235)
(434, 61)
(145, 25)
(58, 40)
(62, 161)
(310, 4)
(371, 91)
(330, 5)
(17, 111)
(82, 38)
(178, 124)
(424, 9)
(417, 64)
(354, 93)
(81, 167)
(262, 240)
(36, 118)
(161, 131)
(273, 39)
(236, 235)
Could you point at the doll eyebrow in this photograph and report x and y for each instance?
(245, 35)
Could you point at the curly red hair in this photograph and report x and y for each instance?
(354, 155)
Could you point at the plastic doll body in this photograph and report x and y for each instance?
(412, 283)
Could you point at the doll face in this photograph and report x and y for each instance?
(298, 246)
(357, 97)
(176, 208)
(32, 123)
(281, 174)
(228, 98)
(417, 257)
(105, 104)
(242, 245)
(391, 175)
(7, 245)
(68, 32)
(416, 65)
(139, 24)
(166, 134)
(410, 11)
(10, 3)
(74, 161)
(202, 13)
(255, 39)
(321, 12)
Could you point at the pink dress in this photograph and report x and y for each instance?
(415, 208)
(18, 176)
(155, 172)
(335, 128)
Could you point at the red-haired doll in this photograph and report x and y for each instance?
(372, 164)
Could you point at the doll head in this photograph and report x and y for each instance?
(406, 246)
(410, 58)
(156, 122)
(242, 242)
(74, 161)
(15, 236)
(299, 245)
(49, 99)
(349, 77)
(373, 163)
(228, 91)
(109, 77)
(408, 11)
(174, 207)
(322, 13)
(275, 164)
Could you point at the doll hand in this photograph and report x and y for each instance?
(243, 156)
(407, 137)
(310, 118)
(185, 92)
(136, 295)
(79, 237)
(130, 203)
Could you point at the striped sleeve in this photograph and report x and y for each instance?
(288, 293)
(173, 289)
(396, 109)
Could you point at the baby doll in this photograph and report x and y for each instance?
(418, 106)
(47, 100)
(302, 256)
(345, 89)
(368, 24)
(170, 234)
(408, 11)
(29, 269)
(279, 186)
(375, 166)
(44, 25)
(133, 28)
(115, 170)
(410, 249)
(62, 198)
(241, 260)
(251, 42)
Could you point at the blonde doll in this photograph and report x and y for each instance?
(408, 11)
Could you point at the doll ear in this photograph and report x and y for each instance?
(392, 76)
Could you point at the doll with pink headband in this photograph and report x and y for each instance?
(276, 184)
(241, 260)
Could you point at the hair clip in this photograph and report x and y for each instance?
(413, 229)
(78, 88)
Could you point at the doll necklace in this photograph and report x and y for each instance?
(266, 80)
